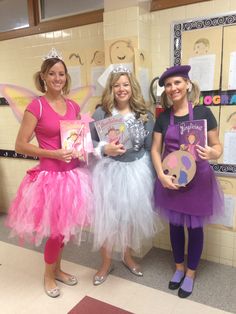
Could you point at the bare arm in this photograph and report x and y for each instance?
(23, 145)
(166, 180)
(214, 148)
(156, 152)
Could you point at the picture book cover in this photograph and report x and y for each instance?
(75, 135)
(193, 133)
(114, 129)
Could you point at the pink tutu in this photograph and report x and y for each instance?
(50, 203)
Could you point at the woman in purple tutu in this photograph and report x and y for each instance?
(201, 199)
(54, 198)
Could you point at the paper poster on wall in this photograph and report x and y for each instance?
(228, 185)
(75, 74)
(203, 53)
(96, 72)
(144, 82)
(229, 58)
(229, 151)
(227, 126)
(228, 218)
(232, 71)
(203, 71)
(142, 67)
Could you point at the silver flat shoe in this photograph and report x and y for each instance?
(134, 270)
(53, 293)
(98, 280)
(70, 281)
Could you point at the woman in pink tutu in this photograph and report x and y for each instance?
(54, 198)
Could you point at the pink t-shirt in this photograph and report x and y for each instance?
(47, 131)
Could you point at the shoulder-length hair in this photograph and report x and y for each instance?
(136, 102)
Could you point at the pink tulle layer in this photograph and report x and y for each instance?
(52, 203)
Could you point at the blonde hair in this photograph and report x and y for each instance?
(136, 102)
(193, 95)
(45, 68)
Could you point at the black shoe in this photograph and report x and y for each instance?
(174, 285)
(183, 294)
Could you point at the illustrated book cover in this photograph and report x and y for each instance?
(114, 129)
(192, 133)
(75, 135)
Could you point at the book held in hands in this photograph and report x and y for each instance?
(113, 129)
(75, 135)
(192, 133)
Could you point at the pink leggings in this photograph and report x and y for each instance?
(52, 249)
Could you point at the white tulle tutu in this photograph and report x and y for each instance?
(123, 196)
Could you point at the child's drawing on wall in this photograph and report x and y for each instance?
(121, 51)
(201, 46)
(231, 120)
(98, 58)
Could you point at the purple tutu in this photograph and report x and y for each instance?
(214, 208)
(200, 201)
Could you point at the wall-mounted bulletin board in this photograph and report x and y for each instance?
(209, 45)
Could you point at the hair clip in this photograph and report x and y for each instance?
(53, 53)
(121, 69)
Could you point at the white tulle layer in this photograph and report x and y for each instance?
(123, 196)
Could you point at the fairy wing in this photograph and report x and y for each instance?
(81, 95)
(17, 97)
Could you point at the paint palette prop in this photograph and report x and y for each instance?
(180, 165)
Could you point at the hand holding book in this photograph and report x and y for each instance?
(75, 136)
(114, 149)
(207, 152)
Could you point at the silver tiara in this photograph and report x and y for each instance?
(121, 69)
(53, 53)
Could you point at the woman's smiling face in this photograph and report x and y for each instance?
(176, 88)
(55, 78)
(122, 90)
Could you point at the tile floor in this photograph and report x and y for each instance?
(21, 289)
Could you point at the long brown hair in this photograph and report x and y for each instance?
(45, 68)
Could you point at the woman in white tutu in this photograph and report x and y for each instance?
(123, 178)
